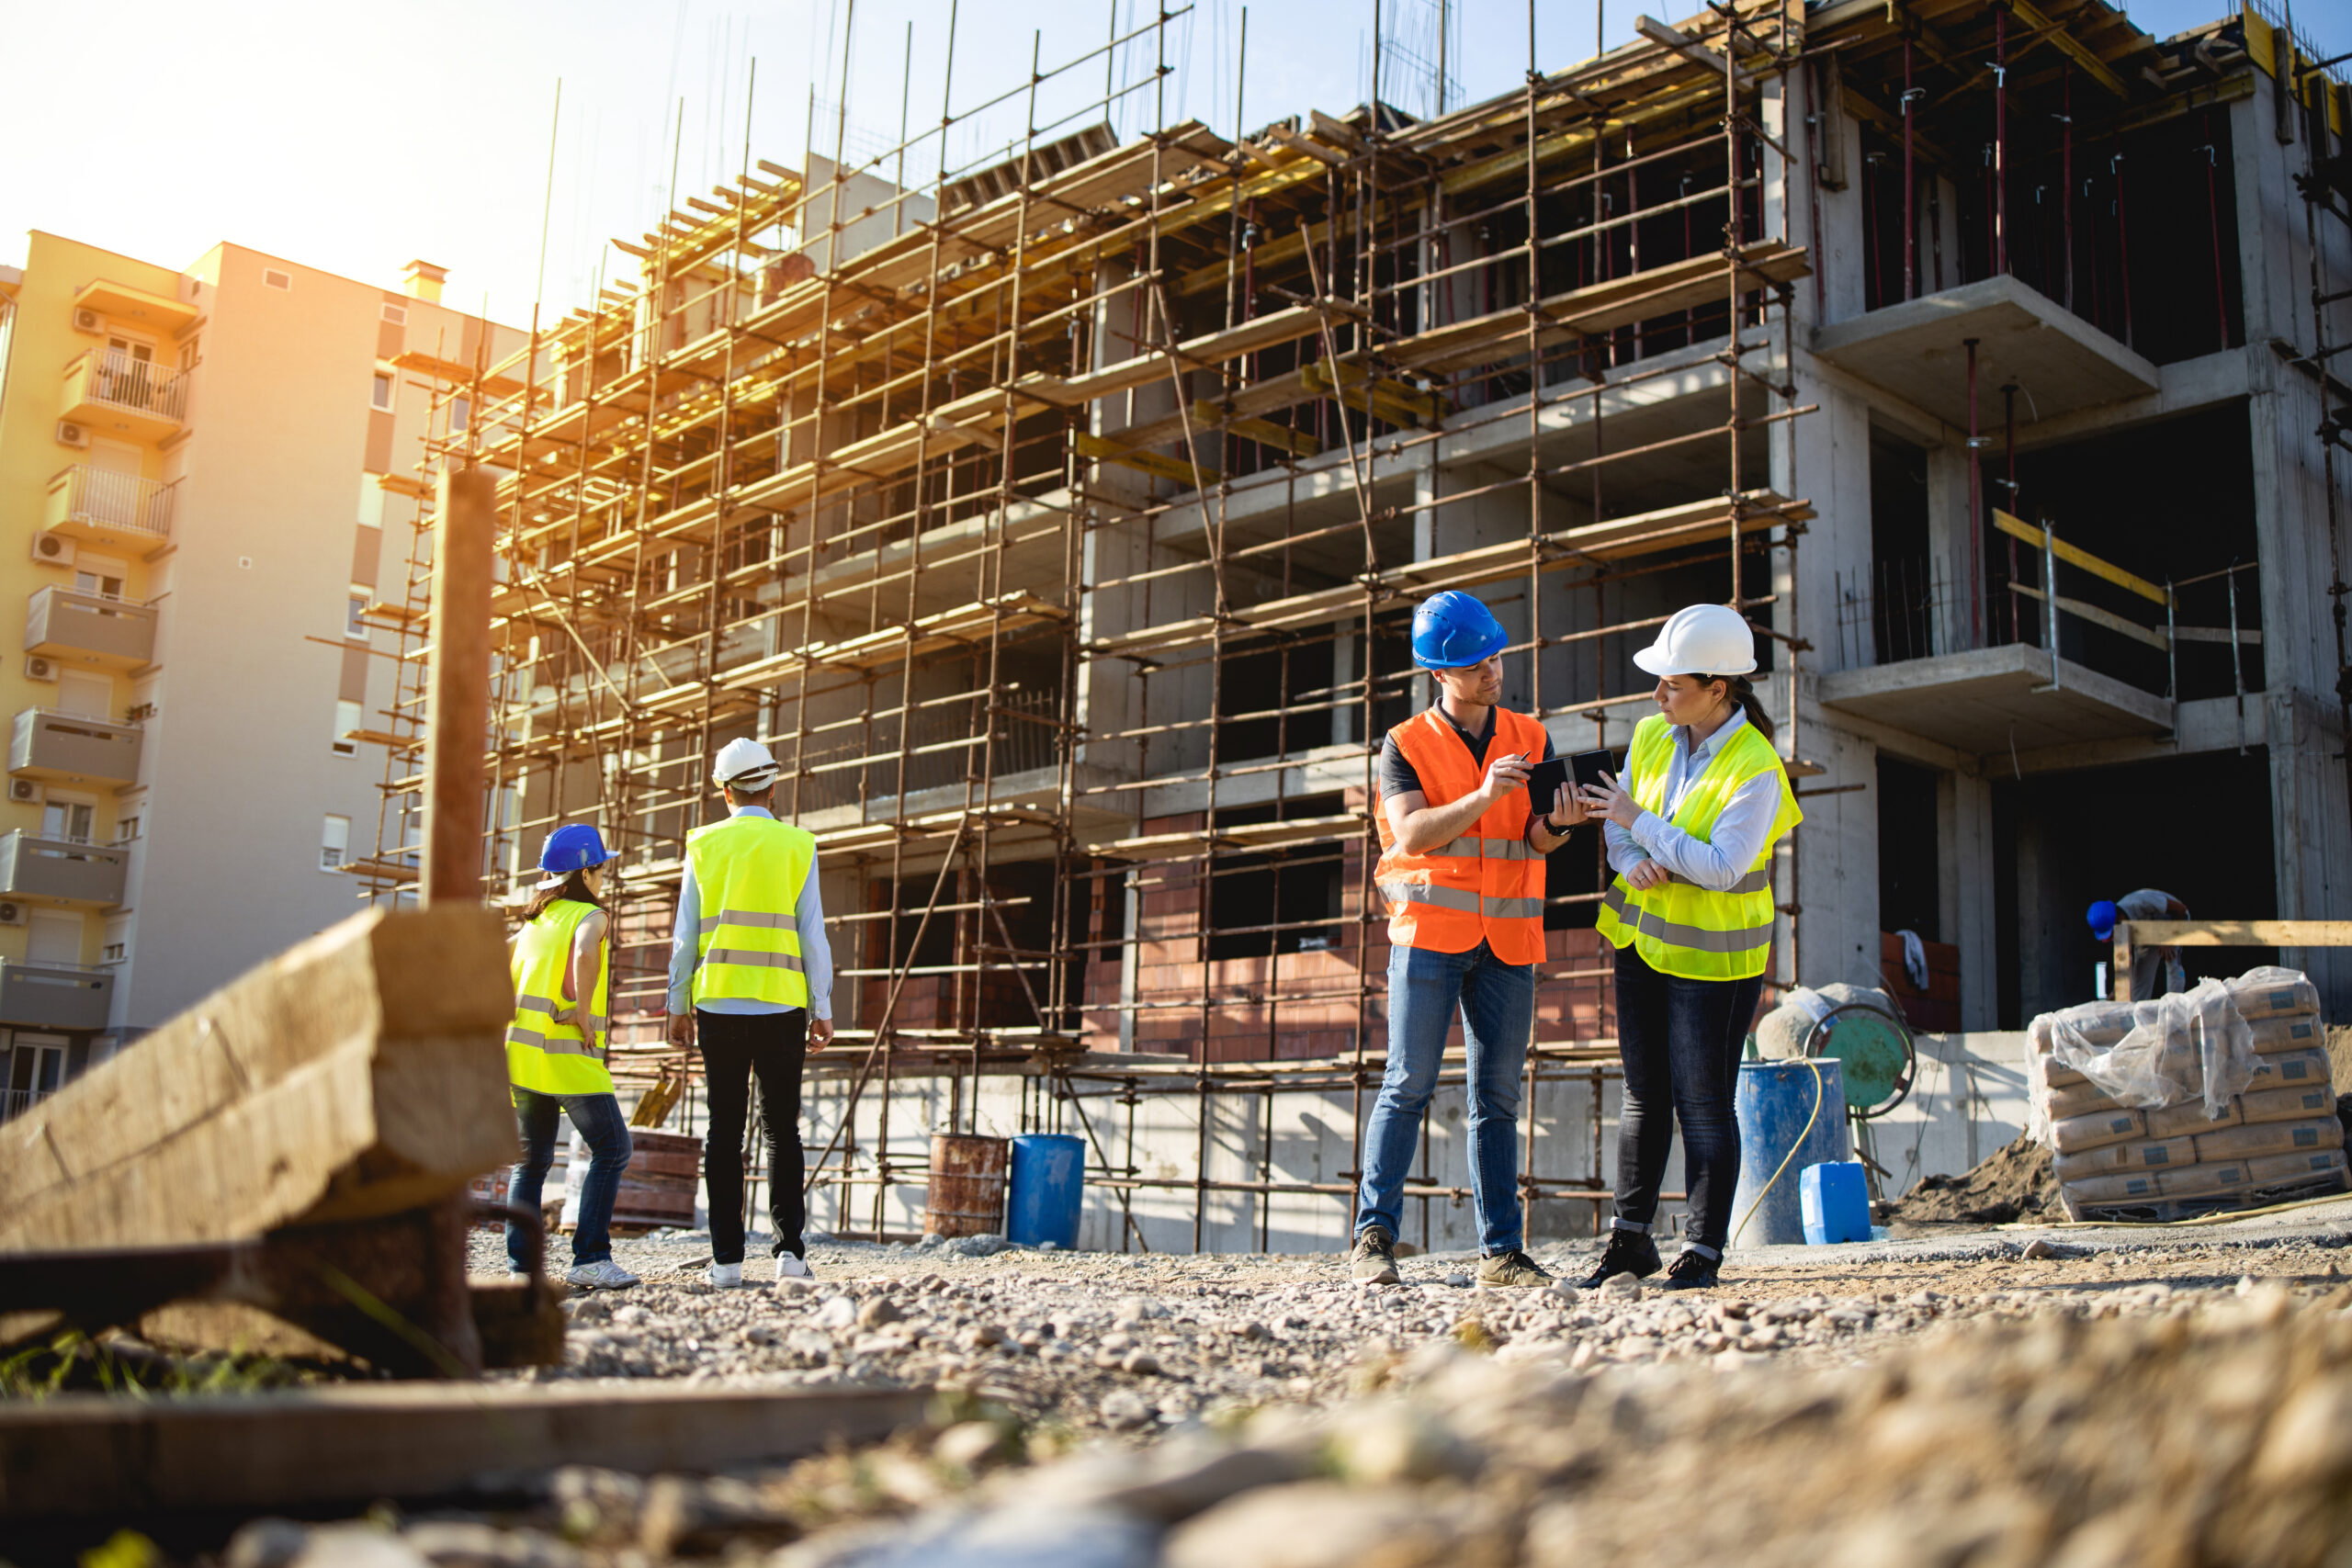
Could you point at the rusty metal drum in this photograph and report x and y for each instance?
(966, 1192)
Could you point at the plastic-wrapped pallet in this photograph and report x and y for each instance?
(2200, 1101)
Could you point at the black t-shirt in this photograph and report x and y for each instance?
(1397, 775)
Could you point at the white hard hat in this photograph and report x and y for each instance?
(1703, 639)
(745, 764)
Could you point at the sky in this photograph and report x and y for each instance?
(353, 138)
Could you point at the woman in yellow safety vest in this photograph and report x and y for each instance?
(1691, 826)
(556, 1047)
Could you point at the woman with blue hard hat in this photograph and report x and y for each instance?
(1462, 870)
(1691, 826)
(555, 1048)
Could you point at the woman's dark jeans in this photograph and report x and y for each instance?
(1680, 1042)
(598, 1117)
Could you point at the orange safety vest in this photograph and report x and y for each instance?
(1486, 886)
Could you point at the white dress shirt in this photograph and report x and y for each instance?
(1720, 860)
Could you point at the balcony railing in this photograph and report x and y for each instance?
(115, 380)
(75, 625)
(35, 867)
(54, 996)
(45, 745)
(106, 507)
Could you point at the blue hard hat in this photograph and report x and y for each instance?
(1453, 631)
(2103, 915)
(575, 846)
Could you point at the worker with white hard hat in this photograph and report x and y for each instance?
(1462, 870)
(752, 986)
(1691, 826)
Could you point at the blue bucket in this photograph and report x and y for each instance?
(1048, 1188)
(1773, 1103)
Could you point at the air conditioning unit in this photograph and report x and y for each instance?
(11, 913)
(39, 668)
(52, 549)
(88, 321)
(72, 434)
(24, 792)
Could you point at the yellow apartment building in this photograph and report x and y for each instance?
(205, 475)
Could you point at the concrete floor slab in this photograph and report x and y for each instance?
(1918, 350)
(1991, 699)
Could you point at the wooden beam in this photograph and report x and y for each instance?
(1688, 48)
(2074, 555)
(360, 1074)
(2091, 65)
(1142, 461)
(98, 1455)
(2238, 933)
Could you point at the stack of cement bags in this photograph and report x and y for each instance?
(2194, 1102)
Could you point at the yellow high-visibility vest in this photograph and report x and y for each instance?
(749, 872)
(1682, 929)
(542, 1053)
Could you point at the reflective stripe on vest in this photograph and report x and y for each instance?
(544, 1053)
(1682, 929)
(749, 872)
(1485, 885)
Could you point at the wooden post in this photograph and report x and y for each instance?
(459, 729)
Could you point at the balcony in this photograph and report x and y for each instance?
(76, 626)
(54, 996)
(109, 391)
(72, 749)
(61, 869)
(1918, 350)
(100, 507)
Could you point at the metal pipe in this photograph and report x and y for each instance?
(2000, 139)
(1910, 186)
(2067, 176)
(1975, 513)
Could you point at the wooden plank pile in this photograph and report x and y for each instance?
(284, 1166)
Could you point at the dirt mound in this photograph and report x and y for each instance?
(2016, 1183)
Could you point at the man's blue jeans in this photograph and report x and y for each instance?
(599, 1118)
(1497, 1001)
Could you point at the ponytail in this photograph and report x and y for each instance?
(575, 888)
(1743, 692)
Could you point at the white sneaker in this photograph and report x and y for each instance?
(602, 1275)
(724, 1274)
(791, 1275)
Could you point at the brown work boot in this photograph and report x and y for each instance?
(1513, 1270)
(1374, 1260)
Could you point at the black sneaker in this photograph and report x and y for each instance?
(1374, 1260)
(1692, 1271)
(1630, 1252)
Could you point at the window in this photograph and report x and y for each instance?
(353, 626)
(396, 315)
(1260, 905)
(113, 952)
(189, 357)
(100, 574)
(334, 842)
(126, 829)
(271, 277)
(382, 396)
(461, 413)
(347, 719)
(68, 819)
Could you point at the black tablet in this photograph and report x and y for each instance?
(1543, 781)
(1588, 766)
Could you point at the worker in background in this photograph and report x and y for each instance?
(1691, 826)
(2155, 971)
(555, 1048)
(752, 986)
(1461, 869)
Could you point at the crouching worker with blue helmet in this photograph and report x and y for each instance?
(556, 1046)
(1462, 869)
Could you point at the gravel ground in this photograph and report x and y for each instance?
(1130, 1344)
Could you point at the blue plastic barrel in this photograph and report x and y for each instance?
(1774, 1101)
(1048, 1188)
(1837, 1202)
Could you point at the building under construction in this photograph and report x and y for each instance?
(1058, 522)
